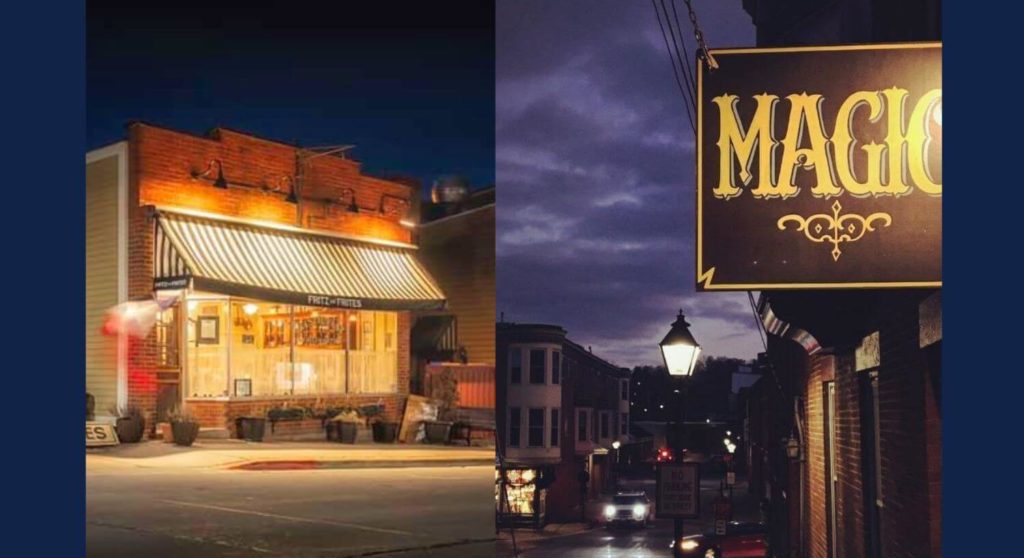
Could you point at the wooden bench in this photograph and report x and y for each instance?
(469, 421)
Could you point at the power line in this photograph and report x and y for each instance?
(690, 84)
(675, 70)
(686, 55)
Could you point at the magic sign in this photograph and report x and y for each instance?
(820, 167)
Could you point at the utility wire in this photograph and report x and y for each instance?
(687, 102)
(686, 54)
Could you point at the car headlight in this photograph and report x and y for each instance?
(639, 510)
(688, 545)
(609, 511)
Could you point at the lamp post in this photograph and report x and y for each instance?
(680, 351)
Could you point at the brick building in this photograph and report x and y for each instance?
(294, 276)
(560, 409)
(844, 445)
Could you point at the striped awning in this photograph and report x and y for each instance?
(289, 265)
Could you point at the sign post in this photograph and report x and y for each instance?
(677, 495)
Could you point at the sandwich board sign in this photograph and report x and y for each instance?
(99, 434)
(678, 491)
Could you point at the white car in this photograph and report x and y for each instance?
(628, 508)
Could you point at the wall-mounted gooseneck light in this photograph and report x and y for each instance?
(220, 181)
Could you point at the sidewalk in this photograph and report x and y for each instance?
(530, 536)
(230, 454)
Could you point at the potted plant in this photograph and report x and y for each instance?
(343, 427)
(384, 431)
(184, 427)
(130, 425)
(444, 392)
(250, 428)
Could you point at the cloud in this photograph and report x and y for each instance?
(595, 170)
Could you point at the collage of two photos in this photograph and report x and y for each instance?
(514, 279)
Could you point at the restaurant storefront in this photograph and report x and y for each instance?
(289, 278)
(274, 312)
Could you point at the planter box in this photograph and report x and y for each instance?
(295, 430)
(251, 428)
(437, 431)
(345, 432)
(385, 432)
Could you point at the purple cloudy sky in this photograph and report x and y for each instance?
(595, 168)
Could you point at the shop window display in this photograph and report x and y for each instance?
(242, 348)
(520, 491)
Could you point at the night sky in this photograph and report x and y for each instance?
(595, 162)
(410, 84)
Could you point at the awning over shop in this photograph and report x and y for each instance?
(289, 265)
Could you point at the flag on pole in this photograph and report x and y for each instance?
(135, 318)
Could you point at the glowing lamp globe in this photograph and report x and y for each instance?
(679, 349)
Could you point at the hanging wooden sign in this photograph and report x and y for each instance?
(820, 167)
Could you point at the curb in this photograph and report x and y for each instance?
(312, 464)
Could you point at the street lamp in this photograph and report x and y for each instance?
(679, 349)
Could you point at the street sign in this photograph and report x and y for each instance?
(100, 434)
(730, 478)
(820, 167)
(720, 526)
(678, 491)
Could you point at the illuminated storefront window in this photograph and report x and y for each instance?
(241, 348)
(520, 492)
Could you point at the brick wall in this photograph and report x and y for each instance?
(849, 492)
(161, 163)
(907, 516)
(909, 443)
(822, 370)
(165, 160)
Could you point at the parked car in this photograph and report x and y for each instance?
(741, 540)
(628, 508)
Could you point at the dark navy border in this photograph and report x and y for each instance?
(983, 318)
(43, 129)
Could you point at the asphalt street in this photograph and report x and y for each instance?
(651, 542)
(395, 512)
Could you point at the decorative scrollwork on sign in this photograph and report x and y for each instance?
(835, 229)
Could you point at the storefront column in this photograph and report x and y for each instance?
(230, 341)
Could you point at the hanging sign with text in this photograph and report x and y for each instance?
(678, 491)
(820, 167)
